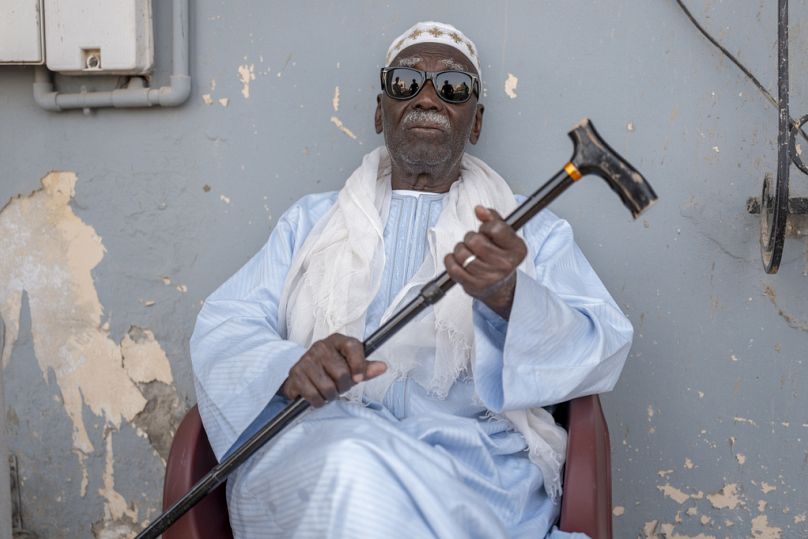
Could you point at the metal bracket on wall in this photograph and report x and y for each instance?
(774, 205)
(16, 503)
(135, 94)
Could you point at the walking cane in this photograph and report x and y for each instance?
(591, 155)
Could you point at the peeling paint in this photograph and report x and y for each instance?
(618, 510)
(115, 506)
(207, 99)
(761, 528)
(766, 488)
(744, 420)
(246, 74)
(336, 121)
(673, 493)
(510, 85)
(224, 101)
(726, 498)
(49, 253)
(669, 533)
(335, 100)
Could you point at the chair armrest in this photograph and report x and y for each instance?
(586, 505)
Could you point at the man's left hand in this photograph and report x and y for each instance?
(491, 275)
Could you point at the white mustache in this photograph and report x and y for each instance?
(418, 116)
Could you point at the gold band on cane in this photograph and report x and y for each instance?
(573, 171)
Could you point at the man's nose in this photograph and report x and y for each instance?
(428, 98)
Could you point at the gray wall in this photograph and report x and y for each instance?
(709, 419)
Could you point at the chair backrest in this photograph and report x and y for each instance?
(189, 460)
(585, 507)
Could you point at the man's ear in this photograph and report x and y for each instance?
(377, 118)
(477, 127)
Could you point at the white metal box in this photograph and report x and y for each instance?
(99, 36)
(21, 32)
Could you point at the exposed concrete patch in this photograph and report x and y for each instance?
(160, 416)
(49, 253)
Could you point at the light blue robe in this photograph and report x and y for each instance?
(413, 465)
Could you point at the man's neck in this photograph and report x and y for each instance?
(432, 181)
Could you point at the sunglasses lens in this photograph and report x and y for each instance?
(454, 86)
(403, 83)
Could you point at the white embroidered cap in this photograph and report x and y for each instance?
(435, 32)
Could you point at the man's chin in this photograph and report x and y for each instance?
(427, 155)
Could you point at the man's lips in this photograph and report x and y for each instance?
(426, 127)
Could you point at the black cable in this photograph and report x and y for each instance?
(755, 81)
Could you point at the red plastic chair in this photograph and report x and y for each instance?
(585, 507)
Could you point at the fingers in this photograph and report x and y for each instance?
(330, 367)
(497, 252)
(496, 229)
(375, 368)
(354, 353)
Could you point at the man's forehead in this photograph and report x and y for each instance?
(445, 55)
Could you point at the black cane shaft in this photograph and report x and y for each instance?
(430, 294)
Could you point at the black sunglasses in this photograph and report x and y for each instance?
(451, 86)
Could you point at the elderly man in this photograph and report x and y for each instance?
(445, 434)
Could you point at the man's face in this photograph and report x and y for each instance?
(425, 132)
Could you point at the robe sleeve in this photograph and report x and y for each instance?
(239, 358)
(565, 338)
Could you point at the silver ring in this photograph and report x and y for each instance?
(469, 260)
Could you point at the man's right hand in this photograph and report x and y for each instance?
(330, 367)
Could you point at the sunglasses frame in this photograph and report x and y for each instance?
(430, 76)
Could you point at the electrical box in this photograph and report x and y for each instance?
(84, 37)
(21, 32)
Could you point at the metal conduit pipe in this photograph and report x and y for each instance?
(166, 96)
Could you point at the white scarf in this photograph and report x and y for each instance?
(337, 272)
